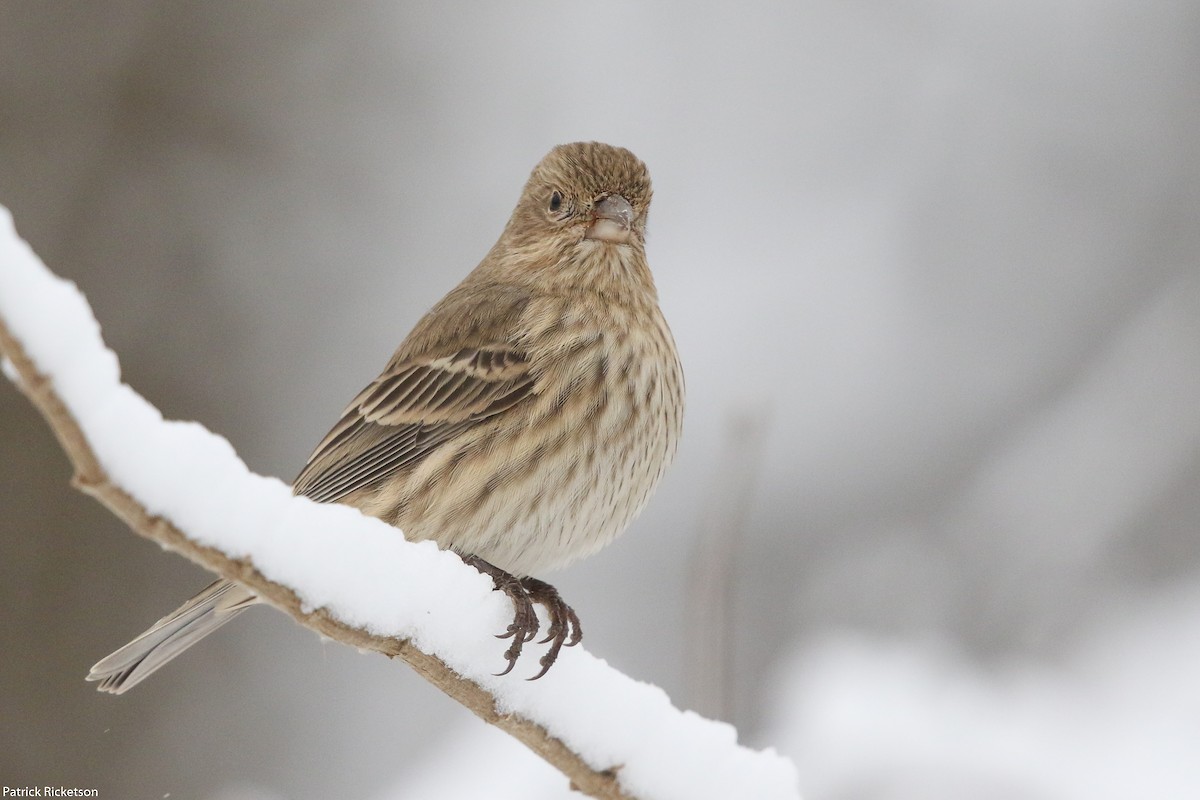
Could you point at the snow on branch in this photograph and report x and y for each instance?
(346, 576)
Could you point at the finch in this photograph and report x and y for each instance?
(522, 424)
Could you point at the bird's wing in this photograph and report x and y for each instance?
(408, 411)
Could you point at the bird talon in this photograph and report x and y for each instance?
(564, 630)
(546, 663)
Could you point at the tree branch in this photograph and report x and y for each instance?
(91, 479)
(54, 354)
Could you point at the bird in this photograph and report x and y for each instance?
(523, 423)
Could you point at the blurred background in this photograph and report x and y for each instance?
(933, 272)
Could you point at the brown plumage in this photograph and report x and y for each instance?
(524, 421)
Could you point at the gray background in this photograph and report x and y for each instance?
(932, 269)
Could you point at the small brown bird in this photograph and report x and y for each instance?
(522, 424)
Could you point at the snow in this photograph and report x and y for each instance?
(358, 567)
(1117, 717)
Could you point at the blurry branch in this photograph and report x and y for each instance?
(708, 627)
(91, 479)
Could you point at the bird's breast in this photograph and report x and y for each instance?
(564, 473)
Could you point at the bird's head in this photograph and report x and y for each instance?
(583, 196)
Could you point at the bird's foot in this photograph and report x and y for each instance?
(564, 623)
(524, 592)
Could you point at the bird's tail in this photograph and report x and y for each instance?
(215, 605)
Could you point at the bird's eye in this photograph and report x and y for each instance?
(555, 202)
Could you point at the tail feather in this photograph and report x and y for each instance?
(215, 605)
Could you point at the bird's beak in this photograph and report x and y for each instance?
(612, 219)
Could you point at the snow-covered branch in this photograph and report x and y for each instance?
(348, 577)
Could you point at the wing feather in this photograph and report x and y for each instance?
(409, 411)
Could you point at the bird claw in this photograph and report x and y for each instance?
(564, 630)
(564, 622)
